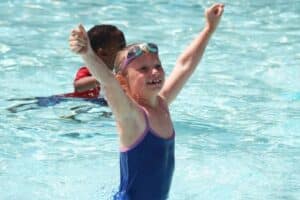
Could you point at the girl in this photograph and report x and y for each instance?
(139, 99)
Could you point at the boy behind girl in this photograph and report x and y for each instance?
(106, 40)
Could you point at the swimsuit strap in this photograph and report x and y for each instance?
(146, 117)
(161, 103)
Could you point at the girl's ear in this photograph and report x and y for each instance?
(123, 82)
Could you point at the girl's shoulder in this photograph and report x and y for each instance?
(163, 103)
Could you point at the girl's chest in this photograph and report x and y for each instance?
(161, 124)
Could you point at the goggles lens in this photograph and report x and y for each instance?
(138, 50)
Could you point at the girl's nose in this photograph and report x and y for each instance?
(155, 70)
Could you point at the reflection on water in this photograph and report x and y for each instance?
(27, 104)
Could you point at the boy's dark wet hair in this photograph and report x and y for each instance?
(102, 35)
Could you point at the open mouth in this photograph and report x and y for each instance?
(155, 82)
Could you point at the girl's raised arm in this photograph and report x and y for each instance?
(189, 59)
(122, 106)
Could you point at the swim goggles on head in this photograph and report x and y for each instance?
(136, 51)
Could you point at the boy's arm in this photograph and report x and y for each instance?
(85, 83)
(84, 80)
(189, 59)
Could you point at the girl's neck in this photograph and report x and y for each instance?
(149, 102)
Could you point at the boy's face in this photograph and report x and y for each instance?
(110, 52)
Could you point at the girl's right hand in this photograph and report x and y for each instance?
(79, 41)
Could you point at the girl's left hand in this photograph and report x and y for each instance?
(213, 15)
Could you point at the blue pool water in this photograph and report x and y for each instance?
(237, 120)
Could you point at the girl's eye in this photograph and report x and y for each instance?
(144, 68)
(158, 66)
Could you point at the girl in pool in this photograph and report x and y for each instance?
(139, 98)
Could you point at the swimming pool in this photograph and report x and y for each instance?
(237, 121)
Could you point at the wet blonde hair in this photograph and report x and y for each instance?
(121, 75)
(120, 57)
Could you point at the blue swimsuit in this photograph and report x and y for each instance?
(147, 167)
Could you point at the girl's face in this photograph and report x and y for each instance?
(145, 75)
